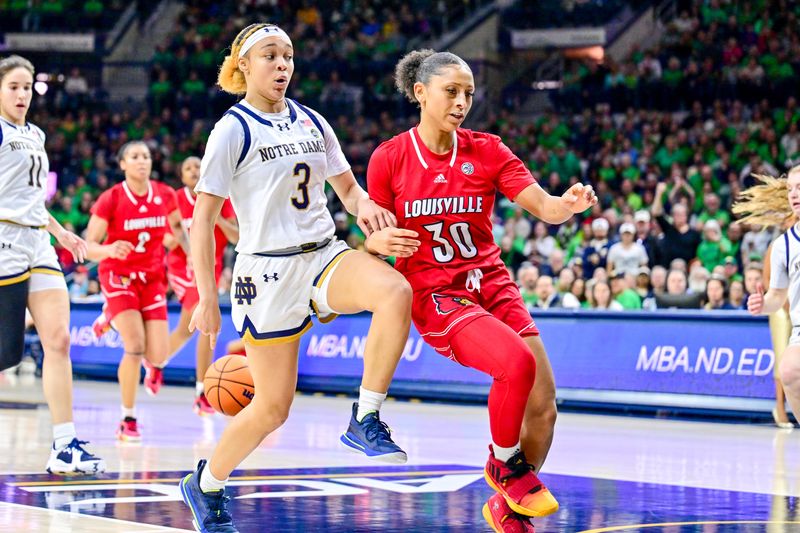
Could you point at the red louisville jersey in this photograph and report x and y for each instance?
(447, 198)
(140, 220)
(176, 259)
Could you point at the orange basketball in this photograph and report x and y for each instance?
(228, 384)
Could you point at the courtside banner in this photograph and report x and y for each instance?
(687, 352)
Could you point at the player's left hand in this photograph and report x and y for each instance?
(76, 246)
(372, 217)
(579, 198)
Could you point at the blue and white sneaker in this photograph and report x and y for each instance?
(209, 509)
(372, 437)
(73, 459)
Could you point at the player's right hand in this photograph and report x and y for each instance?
(120, 249)
(755, 302)
(393, 241)
(207, 319)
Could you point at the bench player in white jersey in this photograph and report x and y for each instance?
(273, 156)
(784, 272)
(30, 275)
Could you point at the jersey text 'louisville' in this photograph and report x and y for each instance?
(447, 198)
(140, 220)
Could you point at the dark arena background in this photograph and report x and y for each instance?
(666, 386)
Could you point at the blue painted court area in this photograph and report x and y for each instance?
(430, 498)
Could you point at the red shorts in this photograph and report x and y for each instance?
(441, 312)
(145, 292)
(183, 285)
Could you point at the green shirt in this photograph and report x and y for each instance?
(712, 254)
(629, 299)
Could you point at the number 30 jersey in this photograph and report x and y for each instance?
(140, 220)
(23, 174)
(448, 199)
(273, 166)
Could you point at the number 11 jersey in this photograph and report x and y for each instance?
(23, 174)
(448, 199)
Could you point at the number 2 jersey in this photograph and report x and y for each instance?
(448, 199)
(140, 220)
(23, 174)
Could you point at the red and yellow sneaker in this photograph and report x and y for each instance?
(128, 430)
(502, 519)
(517, 482)
(153, 378)
(202, 407)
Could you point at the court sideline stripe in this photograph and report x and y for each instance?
(244, 478)
(672, 524)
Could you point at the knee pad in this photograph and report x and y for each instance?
(13, 302)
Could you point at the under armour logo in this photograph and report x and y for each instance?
(245, 290)
(440, 179)
(4, 245)
(273, 277)
(283, 127)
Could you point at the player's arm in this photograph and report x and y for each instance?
(67, 239)
(556, 209)
(95, 232)
(230, 228)
(206, 316)
(369, 215)
(175, 223)
(777, 276)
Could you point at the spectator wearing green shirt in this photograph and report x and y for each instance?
(713, 247)
(526, 279)
(622, 292)
(712, 211)
(564, 162)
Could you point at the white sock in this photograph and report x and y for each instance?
(504, 454)
(199, 388)
(128, 412)
(368, 402)
(208, 483)
(63, 434)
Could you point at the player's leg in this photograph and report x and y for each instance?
(180, 335)
(152, 291)
(790, 374)
(13, 297)
(539, 423)
(489, 345)
(274, 371)
(130, 325)
(780, 328)
(49, 308)
(357, 281)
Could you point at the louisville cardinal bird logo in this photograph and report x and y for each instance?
(447, 304)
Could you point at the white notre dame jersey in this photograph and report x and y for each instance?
(785, 269)
(23, 174)
(273, 166)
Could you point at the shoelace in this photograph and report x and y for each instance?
(474, 280)
(78, 445)
(218, 505)
(378, 430)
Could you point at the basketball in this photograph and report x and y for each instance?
(228, 384)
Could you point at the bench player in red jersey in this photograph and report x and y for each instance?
(126, 233)
(181, 276)
(441, 181)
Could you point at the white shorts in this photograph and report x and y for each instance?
(794, 340)
(272, 297)
(26, 253)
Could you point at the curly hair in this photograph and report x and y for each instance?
(766, 204)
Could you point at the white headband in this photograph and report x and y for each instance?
(263, 33)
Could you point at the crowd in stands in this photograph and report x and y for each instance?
(666, 174)
(59, 15)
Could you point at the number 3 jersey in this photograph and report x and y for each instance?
(140, 220)
(273, 166)
(448, 199)
(23, 174)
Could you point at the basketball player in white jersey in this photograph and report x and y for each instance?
(785, 282)
(30, 275)
(272, 156)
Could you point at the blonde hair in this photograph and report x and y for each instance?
(12, 62)
(231, 78)
(766, 204)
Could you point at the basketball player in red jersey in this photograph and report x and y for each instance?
(441, 181)
(181, 276)
(133, 217)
